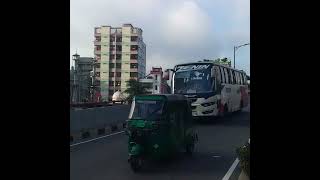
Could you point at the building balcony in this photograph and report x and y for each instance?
(134, 43)
(97, 51)
(133, 69)
(97, 34)
(97, 70)
(97, 43)
(97, 78)
(133, 61)
(134, 51)
(116, 52)
(115, 78)
(115, 43)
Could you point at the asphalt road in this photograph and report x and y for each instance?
(106, 158)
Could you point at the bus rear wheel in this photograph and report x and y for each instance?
(224, 111)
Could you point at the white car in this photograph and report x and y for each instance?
(118, 97)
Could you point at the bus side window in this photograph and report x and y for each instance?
(234, 81)
(217, 75)
(241, 78)
(237, 77)
(222, 75)
(230, 76)
(226, 75)
(245, 79)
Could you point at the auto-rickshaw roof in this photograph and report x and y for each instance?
(168, 97)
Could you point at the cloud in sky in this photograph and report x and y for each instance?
(175, 31)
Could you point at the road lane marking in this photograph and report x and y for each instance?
(216, 156)
(95, 139)
(230, 171)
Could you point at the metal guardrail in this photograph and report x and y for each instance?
(89, 105)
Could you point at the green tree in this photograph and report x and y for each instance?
(223, 61)
(134, 88)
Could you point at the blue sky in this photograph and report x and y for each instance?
(175, 31)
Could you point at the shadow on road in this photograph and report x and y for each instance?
(184, 164)
(241, 118)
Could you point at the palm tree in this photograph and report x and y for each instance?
(134, 88)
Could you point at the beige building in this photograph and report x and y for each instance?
(120, 55)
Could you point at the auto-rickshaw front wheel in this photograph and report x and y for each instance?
(136, 163)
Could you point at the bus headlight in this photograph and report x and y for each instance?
(208, 104)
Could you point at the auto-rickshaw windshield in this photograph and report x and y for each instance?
(146, 109)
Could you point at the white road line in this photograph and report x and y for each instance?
(95, 139)
(230, 171)
(216, 156)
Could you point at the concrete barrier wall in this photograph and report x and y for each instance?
(100, 117)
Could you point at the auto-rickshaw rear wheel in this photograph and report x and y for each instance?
(136, 163)
(190, 148)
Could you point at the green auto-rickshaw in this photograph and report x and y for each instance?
(158, 126)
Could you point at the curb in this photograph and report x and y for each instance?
(243, 176)
(85, 134)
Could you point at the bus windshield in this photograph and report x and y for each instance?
(194, 79)
(146, 109)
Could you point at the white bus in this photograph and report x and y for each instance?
(214, 89)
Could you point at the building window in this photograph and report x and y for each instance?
(119, 48)
(133, 74)
(111, 83)
(112, 47)
(134, 48)
(118, 74)
(119, 39)
(118, 57)
(133, 65)
(156, 77)
(134, 38)
(111, 74)
(134, 56)
(118, 65)
(156, 87)
(111, 65)
(112, 39)
(111, 57)
(118, 83)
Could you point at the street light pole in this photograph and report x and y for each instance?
(234, 53)
(234, 57)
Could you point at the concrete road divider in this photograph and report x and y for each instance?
(85, 134)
